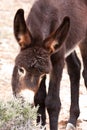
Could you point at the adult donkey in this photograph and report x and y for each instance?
(47, 39)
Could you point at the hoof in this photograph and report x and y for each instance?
(70, 127)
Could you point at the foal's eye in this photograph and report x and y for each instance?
(21, 71)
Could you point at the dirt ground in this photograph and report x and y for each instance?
(8, 51)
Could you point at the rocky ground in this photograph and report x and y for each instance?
(8, 52)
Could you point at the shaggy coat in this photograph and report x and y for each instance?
(47, 40)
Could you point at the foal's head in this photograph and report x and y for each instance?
(33, 60)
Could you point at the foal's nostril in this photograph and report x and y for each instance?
(25, 96)
(22, 99)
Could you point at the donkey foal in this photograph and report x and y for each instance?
(47, 39)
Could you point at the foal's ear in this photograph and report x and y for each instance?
(21, 31)
(57, 38)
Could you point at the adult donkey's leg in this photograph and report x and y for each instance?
(40, 101)
(73, 66)
(83, 48)
(53, 101)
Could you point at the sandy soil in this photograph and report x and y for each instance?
(8, 51)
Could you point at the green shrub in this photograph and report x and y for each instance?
(15, 115)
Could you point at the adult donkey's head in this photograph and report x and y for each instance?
(33, 61)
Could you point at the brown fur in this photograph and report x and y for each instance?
(47, 39)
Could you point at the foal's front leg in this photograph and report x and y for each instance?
(53, 103)
(83, 49)
(40, 100)
(74, 66)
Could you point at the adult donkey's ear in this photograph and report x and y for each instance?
(21, 31)
(56, 39)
